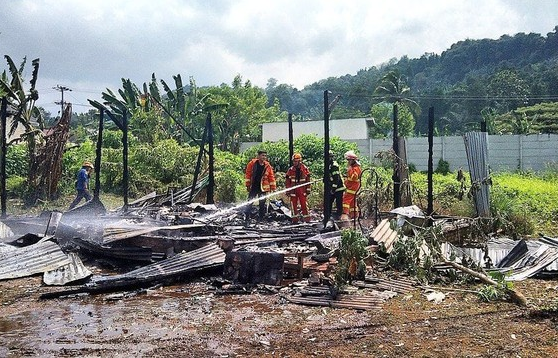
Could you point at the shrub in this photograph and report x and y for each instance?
(229, 183)
(16, 186)
(17, 161)
(443, 167)
(352, 252)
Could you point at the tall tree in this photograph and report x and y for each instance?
(241, 119)
(393, 89)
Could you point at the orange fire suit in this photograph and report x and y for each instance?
(260, 180)
(352, 184)
(296, 175)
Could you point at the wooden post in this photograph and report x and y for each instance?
(291, 138)
(211, 184)
(396, 162)
(327, 184)
(125, 176)
(430, 208)
(3, 194)
(98, 152)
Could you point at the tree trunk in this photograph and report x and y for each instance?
(515, 295)
(46, 161)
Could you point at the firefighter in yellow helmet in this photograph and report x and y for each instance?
(352, 184)
(298, 174)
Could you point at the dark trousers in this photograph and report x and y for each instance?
(80, 195)
(338, 198)
(256, 193)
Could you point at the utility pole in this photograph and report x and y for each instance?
(61, 103)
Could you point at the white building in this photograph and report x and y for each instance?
(346, 129)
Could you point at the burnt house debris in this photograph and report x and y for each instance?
(149, 247)
(153, 244)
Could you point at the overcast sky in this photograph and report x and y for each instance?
(89, 46)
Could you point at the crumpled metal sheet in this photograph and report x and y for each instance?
(71, 272)
(208, 256)
(33, 259)
(5, 249)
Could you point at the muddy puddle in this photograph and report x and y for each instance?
(189, 320)
(130, 325)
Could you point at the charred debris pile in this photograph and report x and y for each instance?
(160, 240)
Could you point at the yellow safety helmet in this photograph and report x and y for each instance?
(297, 156)
(88, 164)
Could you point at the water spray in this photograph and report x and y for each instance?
(251, 201)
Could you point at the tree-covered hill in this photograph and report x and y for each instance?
(471, 81)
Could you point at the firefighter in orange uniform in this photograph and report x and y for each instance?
(260, 180)
(298, 174)
(352, 184)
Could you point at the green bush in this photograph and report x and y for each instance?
(352, 252)
(16, 186)
(449, 194)
(229, 186)
(17, 161)
(443, 167)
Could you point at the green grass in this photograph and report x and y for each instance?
(525, 203)
(529, 196)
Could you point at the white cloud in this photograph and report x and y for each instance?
(90, 45)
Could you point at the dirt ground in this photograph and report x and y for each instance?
(191, 320)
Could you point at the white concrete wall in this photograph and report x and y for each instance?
(505, 152)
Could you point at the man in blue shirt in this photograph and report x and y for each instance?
(82, 184)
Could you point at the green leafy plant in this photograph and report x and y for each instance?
(350, 261)
(408, 255)
(443, 167)
(490, 293)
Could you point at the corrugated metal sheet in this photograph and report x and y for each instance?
(204, 257)
(326, 241)
(127, 233)
(71, 272)
(536, 262)
(498, 248)
(396, 285)
(130, 253)
(5, 231)
(384, 235)
(476, 146)
(523, 258)
(5, 248)
(26, 261)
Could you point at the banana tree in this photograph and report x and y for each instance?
(25, 114)
(393, 89)
(177, 105)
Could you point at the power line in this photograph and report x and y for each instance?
(61, 103)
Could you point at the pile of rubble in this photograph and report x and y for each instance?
(152, 243)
